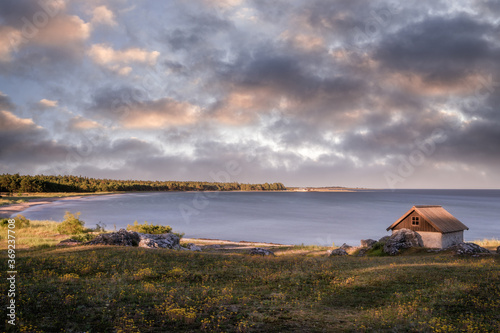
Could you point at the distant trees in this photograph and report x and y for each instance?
(42, 183)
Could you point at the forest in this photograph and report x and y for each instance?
(41, 183)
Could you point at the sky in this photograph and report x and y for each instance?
(377, 94)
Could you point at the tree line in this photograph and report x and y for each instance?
(41, 183)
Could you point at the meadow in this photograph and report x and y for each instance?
(129, 289)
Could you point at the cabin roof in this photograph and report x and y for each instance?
(437, 216)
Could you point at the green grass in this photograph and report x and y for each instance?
(129, 289)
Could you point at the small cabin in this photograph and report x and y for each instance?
(437, 227)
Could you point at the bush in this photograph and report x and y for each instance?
(20, 221)
(71, 225)
(149, 228)
(84, 237)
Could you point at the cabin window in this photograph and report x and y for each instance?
(415, 220)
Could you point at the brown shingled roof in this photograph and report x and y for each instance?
(437, 216)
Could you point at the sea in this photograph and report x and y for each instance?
(309, 218)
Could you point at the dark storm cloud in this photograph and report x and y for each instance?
(442, 49)
(25, 145)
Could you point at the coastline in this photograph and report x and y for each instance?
(8, 210)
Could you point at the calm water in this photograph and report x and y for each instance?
(288, 218)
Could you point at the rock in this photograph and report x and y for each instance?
(164, 241)
(349, 249)
(337, 252)
(402, 239)
(468, 249)
(193, 247)
(69, 242)
(362, 251)
(121, 237)
(384, 239)
(367, 242)
(213, 246)
(261, 252)
(132, 238)
(498, 249)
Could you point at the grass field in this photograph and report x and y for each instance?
(120, 289)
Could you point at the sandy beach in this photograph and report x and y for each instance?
(9, 210)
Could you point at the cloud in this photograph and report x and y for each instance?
(10, 39)
(80, 123)
(117, 60)
(102, 15)
(132, 109)
(11, 123)
(47, 103)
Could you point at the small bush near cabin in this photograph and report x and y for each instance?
(71, 225)
(147, 228)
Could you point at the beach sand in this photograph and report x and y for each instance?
(10, 210)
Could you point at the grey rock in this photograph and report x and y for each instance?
(349, 249)
(69, 242)
(337, 252)
(213, 246)
(468, 249)
(132, 238)
(121, 237)
(384, 239)
(193, 247)
(367, 242)
(261, 252)
(402, 239)
(163, 241)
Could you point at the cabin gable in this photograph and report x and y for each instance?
(416, 222)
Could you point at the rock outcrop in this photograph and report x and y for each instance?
(402, 239)
(337, 252)
(69, 242)
(468, 249)
(193, 247)
(367, 242)
(260, 252)
(498, 249)
(132, 238)
(349, 249)
(121, 238)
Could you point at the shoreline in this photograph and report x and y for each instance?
(7, 211)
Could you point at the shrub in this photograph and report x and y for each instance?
(100, 227)
(71, 225)
(20, 221)
(84, 237)
(149, 228)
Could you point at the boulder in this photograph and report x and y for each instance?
(261, 252)
(349, 249)
(155, 241)
(402, 239)
(367, 242)
(69, 242)
(132, 238)
(498, 249)
(384, 239)
(193, 247)
(468, 249)
(337, 252)
(121, 237)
